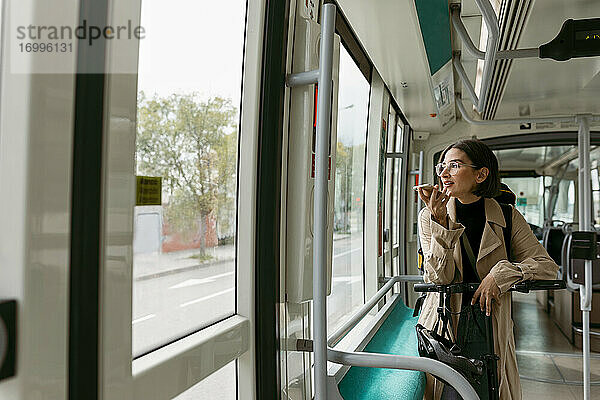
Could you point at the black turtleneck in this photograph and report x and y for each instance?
(472, 216)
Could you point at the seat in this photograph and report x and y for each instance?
(395, 336)
(576, 267)
(553, 242)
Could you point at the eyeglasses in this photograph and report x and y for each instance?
(453, 167)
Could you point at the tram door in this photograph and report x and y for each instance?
(177, 295)
(131, 140)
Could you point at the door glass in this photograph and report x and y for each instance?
(217, 386)
(347, 291)
(189, 82)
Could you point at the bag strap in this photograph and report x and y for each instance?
(470, 253)
(507, 212)
(507, 232)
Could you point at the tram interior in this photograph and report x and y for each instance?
(538, 161)
(547, 325)
(208, 292)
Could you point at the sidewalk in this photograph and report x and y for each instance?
(341, 236)
(154, 265)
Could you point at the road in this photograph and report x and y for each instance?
(170, 305)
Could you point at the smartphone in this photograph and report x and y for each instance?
(426, 186)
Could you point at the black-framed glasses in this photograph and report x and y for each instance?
(453, 167)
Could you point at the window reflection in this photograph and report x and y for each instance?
(220, 385)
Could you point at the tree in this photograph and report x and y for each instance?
(192, 145)
(343, 180)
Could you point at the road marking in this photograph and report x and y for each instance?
(189, 303)
(194, 281)
(147, 317)
(347, 252)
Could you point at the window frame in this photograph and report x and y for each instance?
(401, 180)
(206, 350)
(388, 191)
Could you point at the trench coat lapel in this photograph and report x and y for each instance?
(491, 238)
(492, 233)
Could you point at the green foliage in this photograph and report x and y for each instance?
(349, 180)
(343, 181)
(192, 144)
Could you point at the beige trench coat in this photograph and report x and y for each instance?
(442, 257)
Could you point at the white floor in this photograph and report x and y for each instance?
(536, 336)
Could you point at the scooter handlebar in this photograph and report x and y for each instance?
(523, 287)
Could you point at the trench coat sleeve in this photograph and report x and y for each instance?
(530, 259)
(438, 245)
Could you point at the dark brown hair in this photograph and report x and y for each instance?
(481, 156)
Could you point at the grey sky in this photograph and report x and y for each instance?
(192, 46)
(197, 46)
(353, 101)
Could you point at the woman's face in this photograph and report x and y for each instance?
(458, 176)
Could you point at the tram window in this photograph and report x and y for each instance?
(389, 169)
(387, 213)
(596, 195)
(529, 192)
(565, 204)
(595, 183)
(347, 293)
(390, 182)
(395, 214)
(395, 201)
(557, 163)
(399, 138)
(184, 262)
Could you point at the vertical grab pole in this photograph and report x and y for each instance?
(585, 224)
(320, 201)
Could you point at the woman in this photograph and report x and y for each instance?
(462, 204)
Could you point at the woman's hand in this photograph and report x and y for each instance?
(487, 292)
(436, 202)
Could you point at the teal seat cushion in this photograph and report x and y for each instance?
(395, 336)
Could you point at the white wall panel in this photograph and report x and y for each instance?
(35, 193)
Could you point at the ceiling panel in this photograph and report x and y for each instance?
(548, 86)
(389, 32)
